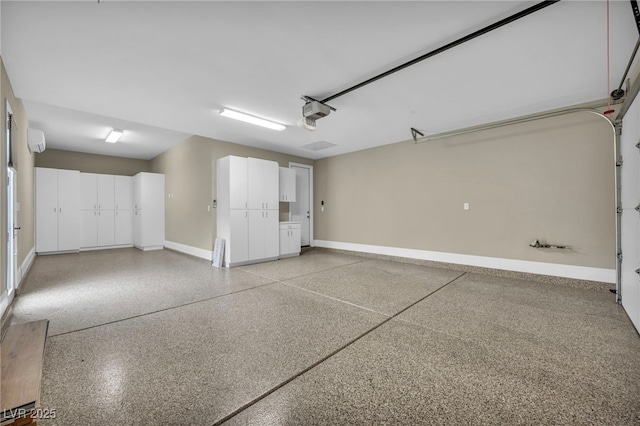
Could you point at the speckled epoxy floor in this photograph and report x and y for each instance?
(162, 338)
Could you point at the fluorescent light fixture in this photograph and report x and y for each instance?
(114, 136)
(225, 112)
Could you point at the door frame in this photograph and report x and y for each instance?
(311, 210)
(6, 294)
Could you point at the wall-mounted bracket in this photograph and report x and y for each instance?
(415, 133)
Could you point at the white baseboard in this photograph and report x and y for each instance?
(541, 268)
(193, 251)
(25, 266)
(105, 247)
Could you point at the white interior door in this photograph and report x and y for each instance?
(302, 210)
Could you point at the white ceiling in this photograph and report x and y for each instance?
(161, 70)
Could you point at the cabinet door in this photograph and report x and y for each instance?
(46, 209)
(238, 243)
(287, 185)
(271, 234)
(105, 192)
(123, 227)
(262, 184)
(284, 241)
(88, 228)
(238, 183)
(136, 189)
(68, 210)
(270, 187)
(256, 234)
(137, 228)
(122, 192)
(106, 228)
(88, 191)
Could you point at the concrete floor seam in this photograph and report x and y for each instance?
(162, 310)
(304, 275)
(322, 360)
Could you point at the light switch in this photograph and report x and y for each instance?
(466, 206)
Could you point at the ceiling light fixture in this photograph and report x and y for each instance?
(225, 112)
(114, 136)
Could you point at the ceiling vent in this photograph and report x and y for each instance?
(317, 146)
(35, 140)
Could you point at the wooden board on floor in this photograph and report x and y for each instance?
(21, 361)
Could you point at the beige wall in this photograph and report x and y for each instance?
(24, 164)
(91, 163)
(551, 179)
(190, 176)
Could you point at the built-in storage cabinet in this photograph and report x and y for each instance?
(87, 210)
(57, 210)
(148, 211)
(105, 214)
(287, 185)
(248, 209)
(290, 239)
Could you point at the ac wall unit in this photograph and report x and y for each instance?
(35, 140)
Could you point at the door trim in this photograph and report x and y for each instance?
(311, 210)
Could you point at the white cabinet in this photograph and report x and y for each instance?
(123, 224)
(105, 203)
(148, 211)
(122, 192)
(263, 235)
(287, 185)
(290, 234)
(57, 210)
(262, 184)
(247, 213)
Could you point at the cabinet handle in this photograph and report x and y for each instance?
(267, 204)
(55, 210)
(60, 210)
(95, 214)
(263, 214)
(266, 214)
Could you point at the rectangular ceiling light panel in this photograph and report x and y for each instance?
(225, 112)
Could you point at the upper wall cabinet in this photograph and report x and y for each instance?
(287, 185)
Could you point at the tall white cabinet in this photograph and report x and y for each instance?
(105, 210)
(248, 210)
(148, 211)
(57, 210)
